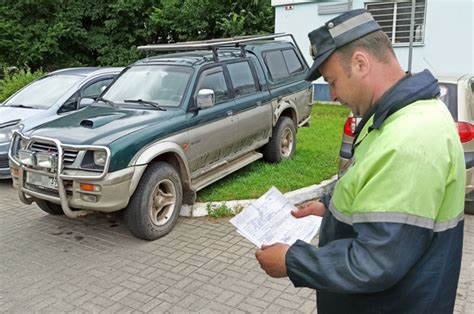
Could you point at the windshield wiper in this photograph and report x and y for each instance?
(107, 101)
(20, 106)
(146, 102)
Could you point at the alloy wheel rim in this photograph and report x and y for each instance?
(163, 202)
(286, 143)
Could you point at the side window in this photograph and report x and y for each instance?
(282, 64)
(242, 78)
(96, 88)
(292, 62)
(214, 79)
(275, 64)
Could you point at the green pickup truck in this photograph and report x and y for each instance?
(166, 127)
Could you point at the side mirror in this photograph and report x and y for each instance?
(205, 98)
(84, 102)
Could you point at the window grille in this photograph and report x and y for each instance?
(395, 17)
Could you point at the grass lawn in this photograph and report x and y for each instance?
(315, 160)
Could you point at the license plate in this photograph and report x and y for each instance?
(41, 181)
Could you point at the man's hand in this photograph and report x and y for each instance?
(310, 208)
(272, 259)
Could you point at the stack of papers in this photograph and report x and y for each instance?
(269, 220)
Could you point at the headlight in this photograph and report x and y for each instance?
(100, 157)
(6, 133)
(94, 159)
(26, 157)
(46, 160)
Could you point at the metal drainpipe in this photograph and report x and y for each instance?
(412, 29)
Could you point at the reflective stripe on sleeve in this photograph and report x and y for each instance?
(393, 217)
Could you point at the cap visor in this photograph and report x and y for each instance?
(314, 73)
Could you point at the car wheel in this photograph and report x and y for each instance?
(469, 207)
(50, 208)
(282, 144)
(154, 207)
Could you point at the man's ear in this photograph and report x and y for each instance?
(360, 63)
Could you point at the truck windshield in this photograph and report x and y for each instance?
(44, 92)
(161, 84)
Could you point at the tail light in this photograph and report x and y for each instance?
(349, 126)
(466, 131)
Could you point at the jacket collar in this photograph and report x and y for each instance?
(406, 91)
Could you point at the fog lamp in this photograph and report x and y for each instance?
(46, 160)
(89, 198)
(26, 157)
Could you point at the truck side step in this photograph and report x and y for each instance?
(225, 169)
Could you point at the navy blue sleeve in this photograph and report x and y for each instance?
(376, 257)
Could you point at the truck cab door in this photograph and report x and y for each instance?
(212, 130)
(252, 106)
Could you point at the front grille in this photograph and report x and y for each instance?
(69, 154)
(4, 163)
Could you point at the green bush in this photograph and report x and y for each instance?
(13, 82)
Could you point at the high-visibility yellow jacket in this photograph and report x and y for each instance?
(391, 238)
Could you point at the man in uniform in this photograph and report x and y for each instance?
(391, 236)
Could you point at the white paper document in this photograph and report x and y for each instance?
(269, 220)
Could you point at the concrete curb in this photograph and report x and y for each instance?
(296, 197)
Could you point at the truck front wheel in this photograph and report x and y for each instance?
(154, 207)
(282, 144)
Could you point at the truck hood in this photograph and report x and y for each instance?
(97, 125)
(8, 114)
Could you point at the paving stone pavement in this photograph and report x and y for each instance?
(53, 264)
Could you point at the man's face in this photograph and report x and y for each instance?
(345, 86)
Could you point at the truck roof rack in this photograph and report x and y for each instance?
(212, 44)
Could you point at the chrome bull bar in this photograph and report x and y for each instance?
(23, 191)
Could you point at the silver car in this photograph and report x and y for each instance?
(53, 95)
(457, 94)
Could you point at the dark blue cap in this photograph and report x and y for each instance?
(336, 33)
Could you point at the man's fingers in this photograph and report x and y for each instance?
(302, 212)
(311, 208)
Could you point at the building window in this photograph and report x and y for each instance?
(394, 18)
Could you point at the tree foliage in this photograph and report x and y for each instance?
(53, 34)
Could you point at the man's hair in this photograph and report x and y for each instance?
(376, 44)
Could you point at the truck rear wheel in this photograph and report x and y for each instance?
(154, 207)
(50, 208)
(282, 144)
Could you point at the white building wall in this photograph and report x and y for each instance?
(449, 33)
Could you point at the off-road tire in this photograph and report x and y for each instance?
(50, 208)
(282, 144)
(154, 208)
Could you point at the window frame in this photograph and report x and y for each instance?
(396, 23)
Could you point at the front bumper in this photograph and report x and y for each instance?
(114, 191)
